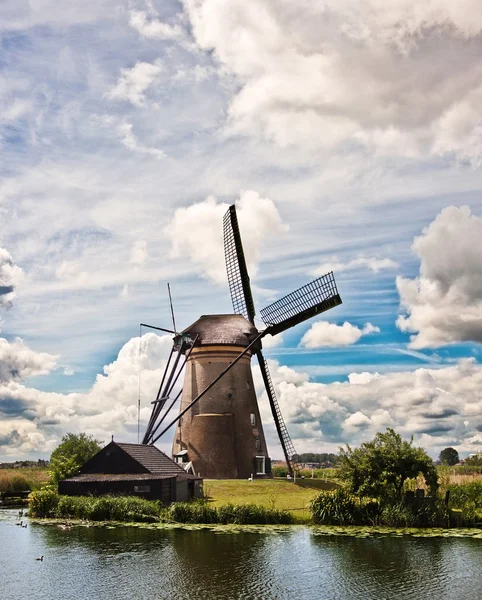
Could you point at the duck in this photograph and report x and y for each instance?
(21, 524)
(41, 558)
(25, 526)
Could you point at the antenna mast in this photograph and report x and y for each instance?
(172, 310)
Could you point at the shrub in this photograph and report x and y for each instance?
(336, 508)
(43, 503)
(192, 512)
(239, 514)
(107, 508)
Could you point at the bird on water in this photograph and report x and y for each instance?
(41, 558)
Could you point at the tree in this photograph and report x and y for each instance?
(449, 456)
(380, 468)
(73, 451)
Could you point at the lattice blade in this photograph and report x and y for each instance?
(237, 271)
(284, 437)
(302, 304)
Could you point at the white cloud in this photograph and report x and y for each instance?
(374, 264)
(18, 361)
(443, 305)
(109, 407)
(130, 141)
(139, 253)
(10, 277)
(323, 333)
(133, 83)
(196, 232)
(271, 341)
(401, 78)
(439, 406)
(154, 28)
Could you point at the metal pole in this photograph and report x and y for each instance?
(199, 396)
(159, 328)
(172, 309)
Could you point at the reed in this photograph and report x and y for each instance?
(20, 480)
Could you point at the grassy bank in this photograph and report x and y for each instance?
(270, 493)
(48, 504)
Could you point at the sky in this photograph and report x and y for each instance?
(349, 137)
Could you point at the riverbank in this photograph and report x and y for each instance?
(317, 530)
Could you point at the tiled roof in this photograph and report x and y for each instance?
(151, 458)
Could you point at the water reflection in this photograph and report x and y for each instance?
(408, 567)
(138, 564)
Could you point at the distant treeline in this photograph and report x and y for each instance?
(324, 459)
(24, 464)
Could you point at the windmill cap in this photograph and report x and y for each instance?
(232, 330)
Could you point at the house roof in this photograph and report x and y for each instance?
(90, 477)
(232, 330)
(151, 458)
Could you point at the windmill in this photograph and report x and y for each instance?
(219, 433)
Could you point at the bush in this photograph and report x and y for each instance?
(43, 503)
(253, 514)
(240, 514)
(47, 503)
(341, 508)
(192, 512)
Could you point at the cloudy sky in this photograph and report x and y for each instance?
(349, 136)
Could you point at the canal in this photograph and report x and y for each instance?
(136, 564)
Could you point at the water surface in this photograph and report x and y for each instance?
(137, 564)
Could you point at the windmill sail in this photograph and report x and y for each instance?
(286, 443)
(302, 304)
(236, 268)
(242, 299)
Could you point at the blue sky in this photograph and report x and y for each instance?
(348, 139)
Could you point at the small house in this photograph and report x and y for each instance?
(133, 470)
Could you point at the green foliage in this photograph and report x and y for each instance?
(43, 503)
(46, 503)
(466, 494)
(333, 508)
(342, 508)
(73, 451)
(380, 468)
(240, 514)
(474, 461)
(449, 457)
(279, 471)
(253, 514)
(192, 512)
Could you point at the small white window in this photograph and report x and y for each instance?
(252, 416)
(258, 444)
(260, 465)
(142, 488)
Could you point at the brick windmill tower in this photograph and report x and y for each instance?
(219, 433)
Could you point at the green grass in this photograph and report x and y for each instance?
(271, 493)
